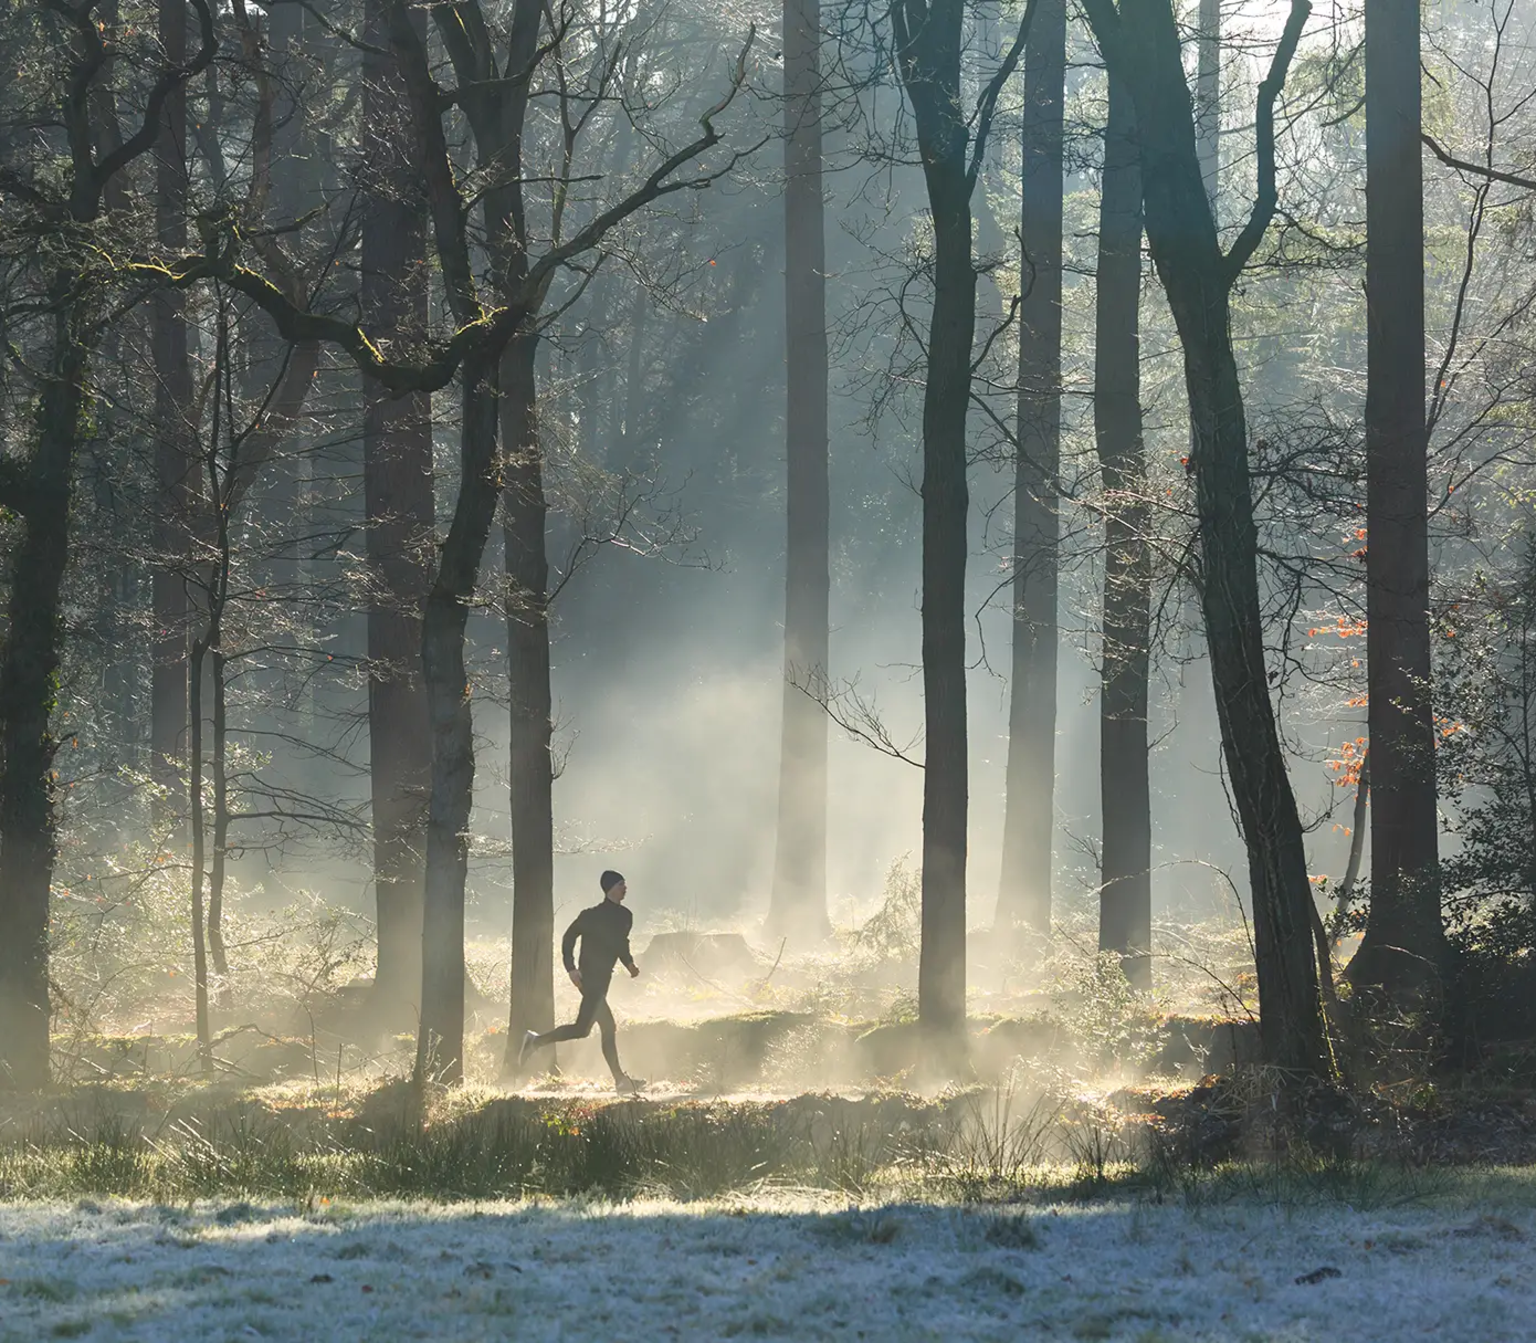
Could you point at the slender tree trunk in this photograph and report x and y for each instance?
(1141, 43)
(799, 901)
(440, 1041)
(288, 505)
(120, 685)
(220, 493)
(1208, 100)
(1125, 898)
(532, 766)
(1346, 896)
(1024, 895)
(219, 764)
(29, 665)
(1402, 952)
(398, 501)
(207, 658)
(927, 45)
(218, 769)
(199, 850)
(173, 457)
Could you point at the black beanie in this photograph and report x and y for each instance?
(609, 880)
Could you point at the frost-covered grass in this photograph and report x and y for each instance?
(298, 1212)
(789, 1266)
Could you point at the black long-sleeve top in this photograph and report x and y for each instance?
(604, 933)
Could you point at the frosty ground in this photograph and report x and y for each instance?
(786, 1265)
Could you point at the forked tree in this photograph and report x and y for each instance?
(1141, 44)
(951, 142)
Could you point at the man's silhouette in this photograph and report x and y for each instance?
(603, 931)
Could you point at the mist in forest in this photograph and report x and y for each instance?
(668, 698)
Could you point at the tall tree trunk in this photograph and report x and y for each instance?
(497, 119)
(946, 499)
(1140, 42)
(293, 191)
(218, 677)
(221, 484)
(207, 663)
(532, 766)
(1125, 875)
(1290, 1023)
(928, 42)
(398, 501)
(29, 665)
(440, 1040)
(799, 901)
(1024, 895)
(1402, 951)
(199, 830)
(1208, 100)
(173, 456)
(927, 46)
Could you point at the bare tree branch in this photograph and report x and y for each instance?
(987, 104)
(1476, 169)
(1267, 194)
(854, 714)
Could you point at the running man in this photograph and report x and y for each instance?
(604, 933)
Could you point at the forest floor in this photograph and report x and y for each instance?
(784, 1265)
(789, 1173)
(168, 1208)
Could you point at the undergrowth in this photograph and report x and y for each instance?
(987, 1146)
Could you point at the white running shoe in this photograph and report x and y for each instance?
(522, 1050)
